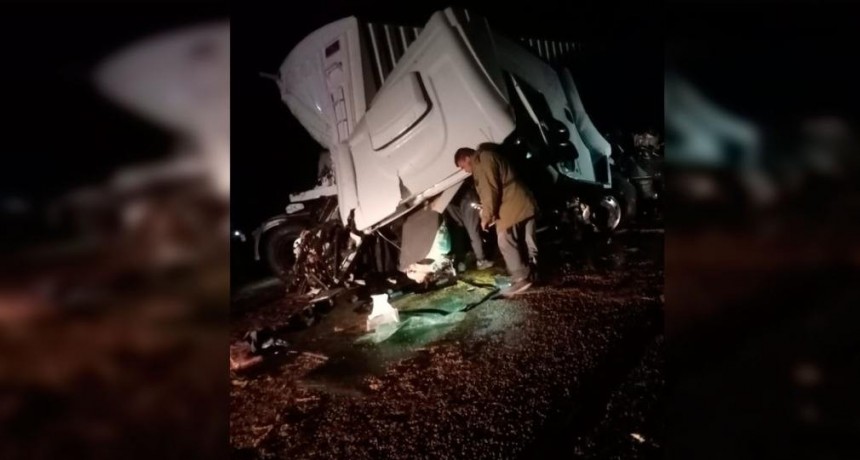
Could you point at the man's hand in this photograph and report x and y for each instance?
(485, 224)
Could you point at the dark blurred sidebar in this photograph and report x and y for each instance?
(113, 229)
(762, 255)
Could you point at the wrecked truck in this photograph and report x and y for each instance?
(391, 104)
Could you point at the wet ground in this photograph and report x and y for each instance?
(573, 368)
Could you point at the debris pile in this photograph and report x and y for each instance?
(322, 256)
(383, 312)
(251, 351)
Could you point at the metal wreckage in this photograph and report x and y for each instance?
(391, 104)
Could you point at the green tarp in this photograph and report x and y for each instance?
(424, 313)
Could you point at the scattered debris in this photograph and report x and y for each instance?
(254, 346)
(430, 270)
(317, 281)
(261, 340)
(637, 437)
(315, 356)
(328, 296)
(556, 339)
(324, 255)
(242, 358)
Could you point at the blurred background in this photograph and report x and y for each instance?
(761, 254)
(113, 235)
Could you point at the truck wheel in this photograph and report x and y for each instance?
(279, 249)
(625, 193)
(607, 214)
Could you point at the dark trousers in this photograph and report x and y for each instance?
(513, 243)
(469, 218)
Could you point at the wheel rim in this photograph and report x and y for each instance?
(610, 213)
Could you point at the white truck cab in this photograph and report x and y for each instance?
(392, 104)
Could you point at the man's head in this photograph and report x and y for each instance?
(463, 159)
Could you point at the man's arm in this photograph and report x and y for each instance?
(486, 178)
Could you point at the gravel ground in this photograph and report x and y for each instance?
(571, 369)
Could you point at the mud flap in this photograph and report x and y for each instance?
(419, 232)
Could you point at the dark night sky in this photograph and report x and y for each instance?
(775, 64)
(272, 155)
(57, 131)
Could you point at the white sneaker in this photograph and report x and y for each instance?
(484, 264)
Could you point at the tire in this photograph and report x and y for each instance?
(278, 249)
(625, 193)
(607, 214)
